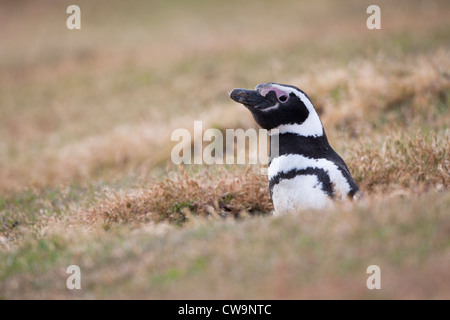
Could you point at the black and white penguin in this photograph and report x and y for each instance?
(305, 172)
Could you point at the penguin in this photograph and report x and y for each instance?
(304, 172)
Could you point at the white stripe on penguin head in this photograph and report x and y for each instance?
(311, 127)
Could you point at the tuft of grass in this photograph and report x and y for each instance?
(175, 199)
(402, 162)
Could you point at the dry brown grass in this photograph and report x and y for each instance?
(400, 164)
(178, 198)
(351, 102)
(356, 101)
(406, 163)
(86, 119)
(309, 256)
(368, 94)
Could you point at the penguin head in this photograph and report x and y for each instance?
(279, 106)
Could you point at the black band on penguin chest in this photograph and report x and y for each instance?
(309, 147)
(321, 175)
(312, 148)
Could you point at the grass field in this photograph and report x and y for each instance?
(86, 176)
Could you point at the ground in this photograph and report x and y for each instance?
(86, 176)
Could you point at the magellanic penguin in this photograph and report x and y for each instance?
(305, 172)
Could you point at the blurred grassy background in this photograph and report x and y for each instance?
(144, 67)
(85, 115)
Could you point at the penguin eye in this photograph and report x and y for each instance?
(283, 98)
(280, 94)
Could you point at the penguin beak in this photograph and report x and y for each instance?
(250, 98)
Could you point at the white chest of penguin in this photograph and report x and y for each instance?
(298, 182)
(299, 193)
